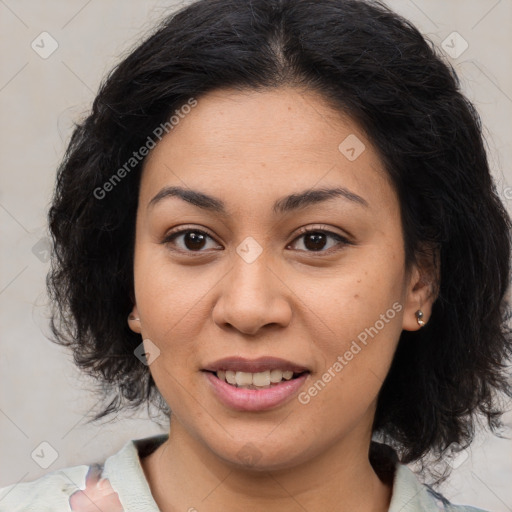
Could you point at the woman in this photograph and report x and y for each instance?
(278, 222)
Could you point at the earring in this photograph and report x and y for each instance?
(131, 316)
(419, 318)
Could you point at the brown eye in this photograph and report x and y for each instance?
(315, 240)
(192, 240)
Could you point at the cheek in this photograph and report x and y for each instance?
(352, 298)
(169, 296)
(360, 309)
(169, 305)
(356, 360)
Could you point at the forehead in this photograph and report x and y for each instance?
(257, 144)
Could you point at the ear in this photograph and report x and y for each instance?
(134, 320)
(422, 287)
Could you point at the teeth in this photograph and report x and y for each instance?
(230, 377)
(243, 379)
(252, 380)
(276, 376)
(261, 379)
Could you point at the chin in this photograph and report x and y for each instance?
(264, 456)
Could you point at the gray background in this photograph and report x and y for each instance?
(42, 397)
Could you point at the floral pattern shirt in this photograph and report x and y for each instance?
(119, 485)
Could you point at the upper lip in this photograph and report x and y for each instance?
(261, 364)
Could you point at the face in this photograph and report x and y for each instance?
(253, 270)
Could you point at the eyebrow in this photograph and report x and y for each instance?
(283, 205)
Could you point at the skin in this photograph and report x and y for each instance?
(249, 149)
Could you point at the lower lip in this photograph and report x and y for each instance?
(243, 399)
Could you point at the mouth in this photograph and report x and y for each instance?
(258, 384)
(260, 373)
(259, 380)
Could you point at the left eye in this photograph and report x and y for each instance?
(314, 240)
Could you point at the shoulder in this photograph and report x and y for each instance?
(80, 489)
(115, 485)
(410, 495)
(51, 492)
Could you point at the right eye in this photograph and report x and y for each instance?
(189, 240)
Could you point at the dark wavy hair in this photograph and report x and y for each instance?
(369, 63)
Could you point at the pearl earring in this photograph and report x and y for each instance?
(419, 318)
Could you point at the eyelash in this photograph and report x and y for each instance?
(304, 231)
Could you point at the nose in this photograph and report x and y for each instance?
(252, 296)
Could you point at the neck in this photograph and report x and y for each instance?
(183, 474)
